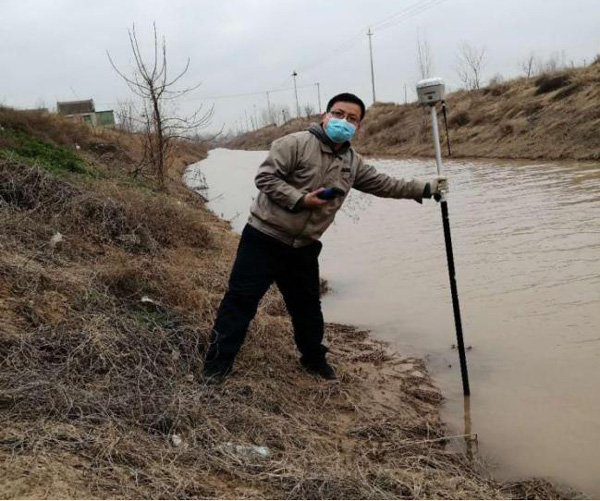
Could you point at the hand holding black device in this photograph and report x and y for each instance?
(331, 193)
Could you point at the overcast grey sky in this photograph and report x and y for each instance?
(54, 50)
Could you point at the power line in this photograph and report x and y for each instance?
(394, 19)
(401, 12)
(387, 22)
(229, 96)
(414, 11)
(246, 94)
(336, 51)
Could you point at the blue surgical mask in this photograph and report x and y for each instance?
(339, 131)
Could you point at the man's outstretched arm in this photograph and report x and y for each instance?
(369, 180)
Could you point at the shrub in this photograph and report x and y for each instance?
(478, 118)
(496, 89)
(389, 121)
(132, 220)
(506, 129)
(532, 108)
(497, 79)
(548, 83)
(381, 123)
(566, 91)
(460, 119)
(45, 126)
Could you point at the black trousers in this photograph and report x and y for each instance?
(262, 260)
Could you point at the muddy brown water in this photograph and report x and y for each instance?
(527, 252)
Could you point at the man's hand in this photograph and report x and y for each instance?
(439, 184)
(311, 201)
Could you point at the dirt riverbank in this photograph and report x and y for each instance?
(550, 117)
(108, 289)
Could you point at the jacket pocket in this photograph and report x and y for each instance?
(279, 218)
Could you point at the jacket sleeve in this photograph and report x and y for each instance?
(369, 180)
(273, 172)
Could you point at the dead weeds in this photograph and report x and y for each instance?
(558, 112)
(101, 344)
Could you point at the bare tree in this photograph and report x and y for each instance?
(151, 82)
(267, 117)
(497, 79)
(424, 58)
(277, 115)
(528, 64)
(308, 109)
(555, 62)
(41, 105)
(127, 116)
(470, 65)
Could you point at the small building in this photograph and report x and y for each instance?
(85, 112)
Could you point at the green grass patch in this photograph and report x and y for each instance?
(154, 316)
(56, 159)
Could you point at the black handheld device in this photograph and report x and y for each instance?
(331, 193)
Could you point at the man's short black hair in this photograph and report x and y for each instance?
(346, 97)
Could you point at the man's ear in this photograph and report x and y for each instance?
(323, 115)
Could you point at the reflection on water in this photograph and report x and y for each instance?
(526, 238)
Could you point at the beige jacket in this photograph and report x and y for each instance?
(303, 162)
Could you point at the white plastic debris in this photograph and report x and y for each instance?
(176, 441)
(146, 299)
(246, 451)
(55, 240)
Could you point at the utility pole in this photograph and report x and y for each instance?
(319, 95)
(255, 118)
(405, 95)
(283, 113)
(296, 92)
(271, 119)
(370, 34)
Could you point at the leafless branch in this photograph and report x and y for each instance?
(527, 64)
(470, 65)
(424, 58)
(152, 84)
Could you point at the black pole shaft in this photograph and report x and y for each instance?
(455, 305)
(446, 126)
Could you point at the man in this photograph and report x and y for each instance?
(281, 244)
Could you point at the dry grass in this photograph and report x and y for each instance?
(554, 116)
(109, 152)
(101, 340)
(262, 138)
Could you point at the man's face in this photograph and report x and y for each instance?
(342, 109)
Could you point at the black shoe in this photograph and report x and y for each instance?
(215, 374)
(319, 368)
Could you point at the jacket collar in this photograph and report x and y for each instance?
(327, 144)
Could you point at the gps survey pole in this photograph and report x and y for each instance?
(431, 92)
